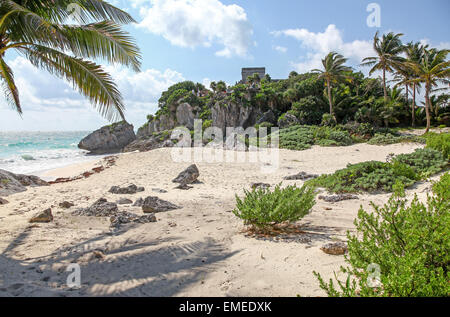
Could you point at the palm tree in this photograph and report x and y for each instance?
(333, 72)
(414, 53)
(37, 30)
(387, 49)
(432, 70)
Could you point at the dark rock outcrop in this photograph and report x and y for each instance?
(260, 186)
(287, 120)
(11, 183)
(163, 123)
(269, 117)
(3, 201)
(127, 217)
(188, 176)
(42, 217)
(300, 176)
(124, 201)
(234, 115)
(153, 204)
(129, 190)
(101, 208)
(109, 139)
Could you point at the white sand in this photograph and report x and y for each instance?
(198, 250)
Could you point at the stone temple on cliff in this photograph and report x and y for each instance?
(250, 71)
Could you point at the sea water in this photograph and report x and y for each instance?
(34, 152)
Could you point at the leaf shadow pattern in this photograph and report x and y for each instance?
(163, 267)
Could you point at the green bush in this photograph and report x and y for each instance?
(425, 162)
(366, 176)
(408, 244)
(373, 176)
(296, 138)
(326, 136)
(262, 208)
(389, 138)
(439, 142)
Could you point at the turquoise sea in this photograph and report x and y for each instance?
(33, 152)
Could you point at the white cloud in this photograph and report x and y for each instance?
(318, 45)
(193, 23)
(51, 104)
(280, 49)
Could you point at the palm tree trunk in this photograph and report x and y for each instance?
(414, 106)
(427, 106)
(384, 84)
(329, 98)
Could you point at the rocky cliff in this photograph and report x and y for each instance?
(109, 139)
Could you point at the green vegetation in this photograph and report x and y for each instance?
(439, 142)
(35, 30)
(262, 209)
(408, 243)
(389, 138)
(374, 176)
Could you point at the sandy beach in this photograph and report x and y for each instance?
(198, 250)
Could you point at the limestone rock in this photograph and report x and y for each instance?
(336, 248)
(66, 205)
(188, 176)
(287, 120)
(124, 201)
(337, 198)
(185, 116)
(109, 139)
(11, 183)
(301, 176)
(126, 217)
(131, 189)
(101, 208)
(45, 216)
(3, 201)
(153, 204)
(260, 186)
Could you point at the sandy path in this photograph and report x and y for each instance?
(198, 250)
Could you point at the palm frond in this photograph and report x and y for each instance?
(9, 87)
(89, 78)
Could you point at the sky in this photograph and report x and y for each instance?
(210, 40)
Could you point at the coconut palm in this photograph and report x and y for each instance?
(39, 31)
(333, 72)
(433, 69)
(387, 49)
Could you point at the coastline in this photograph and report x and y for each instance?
(200, 249)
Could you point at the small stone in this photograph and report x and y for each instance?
(159, 190)
(101, 208)
(301, 176)
(260, 186)
(139, 202)
(124, 201)
(337, 248)
(66, 205)
(131, 189)
(3, 201)
(45, 216)
(337, 198)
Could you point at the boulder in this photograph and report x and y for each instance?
(45, 216)
(139, 202)
(188, 176)
(127, 217)
(131, 189)
(109, 139)
(336, 248)
(287, 120)
(269, 117)
(101, 208)
(154, 204)
(11, 183)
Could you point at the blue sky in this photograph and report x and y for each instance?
(204, 40)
